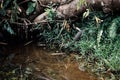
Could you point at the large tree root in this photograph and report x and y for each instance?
(70, 9)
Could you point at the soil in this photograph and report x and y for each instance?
(47, 64)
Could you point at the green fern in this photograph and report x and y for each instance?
(114, 27)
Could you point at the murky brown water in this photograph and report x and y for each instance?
(47, 66)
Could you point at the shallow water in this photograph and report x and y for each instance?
(48, 64)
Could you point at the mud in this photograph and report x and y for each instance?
(49, 64)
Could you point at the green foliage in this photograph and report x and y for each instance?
(109, 54)
(99, 42)
(12, 13)
(81, 3)
(14, 8)
(105, 36)
(51, 14)
(31, 8)
(14, 72)
(86, 14)
(3, 7)
(8, 28)
(15, 12)
(100, 33)
(114, 27)
(57, 34)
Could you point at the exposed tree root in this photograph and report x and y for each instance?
(70, 9)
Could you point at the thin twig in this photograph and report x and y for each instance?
(2, 21)
(28, 43)
(57, 54)
(3, 43)
(34, 23)
(43, 4)
(28, 23)
(23, 2)
(25, 19)
(41, 77)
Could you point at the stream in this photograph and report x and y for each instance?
(47, 64)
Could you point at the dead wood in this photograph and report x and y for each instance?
(64, 11)
(45, 2)
(70, 9)
(105, 5)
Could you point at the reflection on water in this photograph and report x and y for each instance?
(46, 66)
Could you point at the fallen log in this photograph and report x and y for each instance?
(70, 9)
(67, 9)
(64, 11)
(42, 4)
(105, 5)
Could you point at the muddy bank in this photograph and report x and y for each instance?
(48, 64)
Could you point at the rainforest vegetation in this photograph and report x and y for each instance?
(90, 29)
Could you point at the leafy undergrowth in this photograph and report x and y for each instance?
(9, 71)
(98, 44)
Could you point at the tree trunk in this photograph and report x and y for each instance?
(70, 9)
